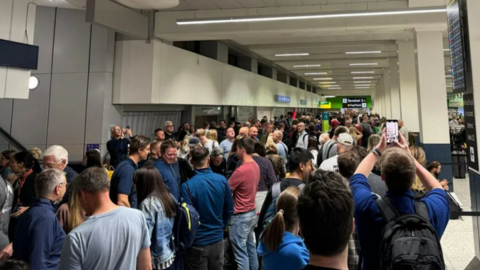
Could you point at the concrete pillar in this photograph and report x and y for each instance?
(215, 50)
(394, 89)
(408, 85)
(13, 15)
(386, 88)
(434, 130)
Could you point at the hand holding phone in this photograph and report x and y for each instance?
(392, 131)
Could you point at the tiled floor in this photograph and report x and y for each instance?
(457, 241)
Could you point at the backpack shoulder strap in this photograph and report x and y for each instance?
(301, 186)
(388, 211)
(276, 190)
(422, 210)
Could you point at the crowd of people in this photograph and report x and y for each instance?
(269, 194)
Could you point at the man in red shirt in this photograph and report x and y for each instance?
(244, 183)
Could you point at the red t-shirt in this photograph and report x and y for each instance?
(244, 183)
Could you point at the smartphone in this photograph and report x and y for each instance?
(392, 131)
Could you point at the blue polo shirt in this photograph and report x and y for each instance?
(209, 193)
(39, 237)
(122, 182)
(370, 223)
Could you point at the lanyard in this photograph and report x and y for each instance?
(25, 175)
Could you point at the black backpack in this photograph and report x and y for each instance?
(409, 242)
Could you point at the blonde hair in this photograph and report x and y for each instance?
(75, 216)
(373, 140)
(200, 132)
(212, 134)
(420, 157)
(353, 132)
(285, 219)
(36, 152)
(271, 146)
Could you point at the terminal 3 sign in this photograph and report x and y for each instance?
(353, 103)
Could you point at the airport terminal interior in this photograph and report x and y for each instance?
(222, 105)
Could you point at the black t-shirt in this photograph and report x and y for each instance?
(311, 267)
(170, 136)
(220, 169)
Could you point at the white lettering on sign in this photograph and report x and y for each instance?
(471, 138)
(469, 114)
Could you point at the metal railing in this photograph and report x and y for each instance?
(8, 142)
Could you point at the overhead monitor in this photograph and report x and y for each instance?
(18, 55)
(457, 45)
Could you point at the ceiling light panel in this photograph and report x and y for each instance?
(363, 82)
(304, 66)
(332, 88)
(363, 64)
(323, 79)
(316, 73)
(291, 54)
(364, 52)
(362, 78)
(311, 16)
(362, 87)
(359, 85)
(363, 72)
(326, 82)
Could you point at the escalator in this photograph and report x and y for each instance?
(7, 142)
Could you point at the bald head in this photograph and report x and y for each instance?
(243, 131)
(400, 122)
(323, 138)
(253, 133)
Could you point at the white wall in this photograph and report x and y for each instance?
(158, 73)
(72, 104)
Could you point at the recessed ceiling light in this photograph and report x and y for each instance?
(329, 86)
(363, 82)
(32, 83)
(334, 88)
(322, 79)
(326, 83)
(316, 73)
(363, 64)
(302, 66)
(361, 78)
(363, 72)
(359, 85)
(291, 54)
(363, 52)
(311, 16)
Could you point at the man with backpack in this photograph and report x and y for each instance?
(300, 163)
(302, 141)
(209, 193)
(397, 230)
(329, 149)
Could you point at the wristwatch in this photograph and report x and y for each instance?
(376, 152)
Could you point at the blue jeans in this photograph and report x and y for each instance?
(242, 237)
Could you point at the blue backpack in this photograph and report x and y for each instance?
(272, 209)
(185, 227)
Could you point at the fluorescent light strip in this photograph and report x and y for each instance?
(363, 82)
(328, 96)
(329, 86)
(361, 78)
(302, 66)
(362, 87)
(332, 88)
(307, 17)
(448, 76)
(327, 83)
(365, 52)
(446, 50)
(359, 85)
(322, 79)
(363, 64)
(363, 72)
(291, 54)
(316, 73)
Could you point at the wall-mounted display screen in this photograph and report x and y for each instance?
(282, 99)
(456, 43)
(19, 55)
(354, 102)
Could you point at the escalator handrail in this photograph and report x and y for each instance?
(11, 140)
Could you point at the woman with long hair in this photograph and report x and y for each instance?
(26, 168)
(313, 148)
(184, 150)
(92, 158)
(5, 159)
(280, 245)
(420, 157)
(159, 208)
(206, 142)
(71, 214)
(356, 135)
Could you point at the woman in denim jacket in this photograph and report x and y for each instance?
(159, 208)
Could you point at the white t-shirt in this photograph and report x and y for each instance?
(330, 164)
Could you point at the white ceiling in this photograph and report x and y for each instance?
(74, 4)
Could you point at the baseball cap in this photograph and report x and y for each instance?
(193, 141)
(345, 139)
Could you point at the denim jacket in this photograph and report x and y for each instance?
(160, 228)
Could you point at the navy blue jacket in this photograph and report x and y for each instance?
(122, 182)
(39, 237)
(118, 150)
(171, 176)
(209, 193)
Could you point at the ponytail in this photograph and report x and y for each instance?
(272, 235)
